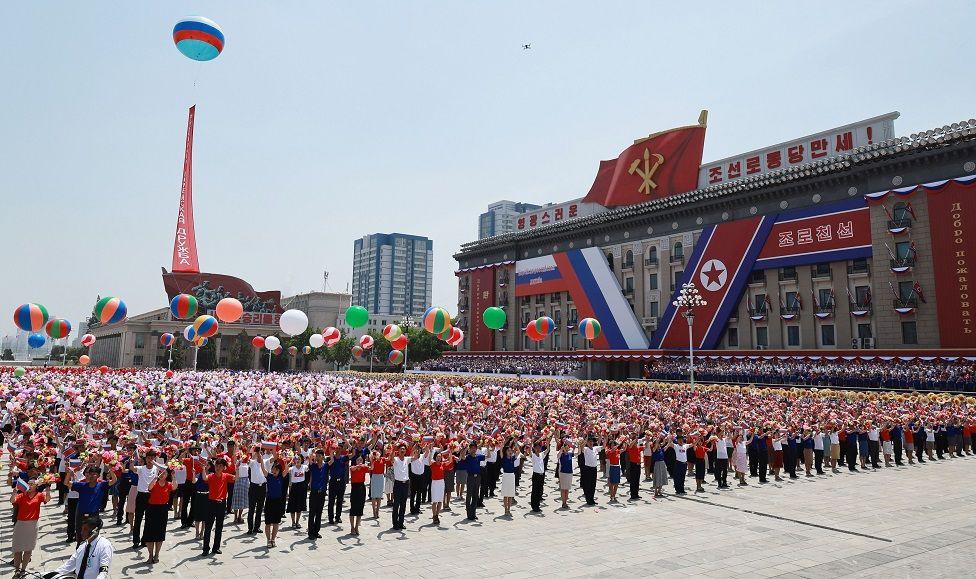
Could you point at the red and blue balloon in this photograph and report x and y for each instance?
(198, 38)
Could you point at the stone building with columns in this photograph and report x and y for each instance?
(866, 246)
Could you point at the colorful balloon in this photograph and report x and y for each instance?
(272, 343)
(356, 316)
(229, 310)
(88, 340)
(83, 360)
(198, 38)
(395, 357)
(103, 369)
(589, 328)
(205, 326)
(307, 350)
(293, 322)
(366, 342)
(494, 317)
(110, 310)
(58, 329)
(200, 341)
(443, 336)
(532, 332)
(316, 340)
(277, 351)
(189, 333)
(457, 336)
(400, 343)
(19, 372)
(184, 306)
(545, 325)
(357, 351)
(31, 317)
(331, 336)
(293, 351)
(436, 320)
(166, 340)
(392, 332)
(169, 373)
(257, 342)
(35, 341)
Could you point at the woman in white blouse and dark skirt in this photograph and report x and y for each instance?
(297, 490)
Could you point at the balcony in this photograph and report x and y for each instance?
(503, 303)
(862, 307)
(821, 273)
(789, 275)
(899, 223)
(627, 265)
(628, 291)
(650, 261)
(857, 268)
(825, 309)
(789, 310)
(907, 261)
(503, 280)
(463, 286)
(911, 302)
(755, 312)
(757, 277)
(540, 299)
(678, 259)
(463, 302)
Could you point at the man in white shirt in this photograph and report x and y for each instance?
(538, 475)
(401, 485)
(721, 459)
(591, 460)
(256, 491)
(680, 468)
(93, 558)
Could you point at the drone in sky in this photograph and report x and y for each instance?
(526, 46)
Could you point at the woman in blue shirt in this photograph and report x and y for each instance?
(565, 472)
(659, 467)
(509, 461)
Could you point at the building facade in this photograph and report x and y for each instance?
(865, 248)
(392, 273)
(502, 218)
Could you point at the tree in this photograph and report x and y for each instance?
(381, 347)
(75, 353)
(422, 346)
(279, 362)
(341, 352)
(300, 341)
(207, 356)
(92, 319)
(8, 354)
(240, 353)
(178, 354)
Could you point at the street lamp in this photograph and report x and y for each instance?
(689, 298)
(406, 322)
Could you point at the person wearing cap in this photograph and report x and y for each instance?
(93, 558)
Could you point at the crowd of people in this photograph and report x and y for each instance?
(528, 365)
(891, 373)
(266, 450)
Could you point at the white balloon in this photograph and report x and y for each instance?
(316, 340)
(272, 343)
(293, 322)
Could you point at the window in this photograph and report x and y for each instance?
(558, 318)
(909, 333)
(906, 291)
(787, 273)
(629, 259)
(733, 337)
(572, 341)
(652, 282)
(679, 250)
(827, 335)
(821, 270)
(555, 341)
(864, 331)
(525, 342)
(859, 265)
(573, 316)
(902, 249)
(792, 335)
(792, 300)
(610, 261)
(762, 336)
(758, 276)
(629, 285)
(137, 360)
(760, 303)
(901, 211)
(140, 340)
(655, 309)
(652, 255)
(525, 318)
(862, 294)
(825, 297)
(677, 279)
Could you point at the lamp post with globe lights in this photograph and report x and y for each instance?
(689, 298)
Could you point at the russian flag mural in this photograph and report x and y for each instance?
(586, 276)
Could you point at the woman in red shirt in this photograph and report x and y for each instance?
(357, 499)
(377, 470)
(28, 506)
(612, 452)
(157, 510)
(437, 485)
(447, 461)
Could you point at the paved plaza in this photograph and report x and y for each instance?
(911, 521)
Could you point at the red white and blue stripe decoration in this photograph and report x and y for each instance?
(30, 317)
(879, 196)
(198, 38)
(594, 289)
(22, 485)
(184, 306)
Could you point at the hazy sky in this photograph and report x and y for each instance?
(324, 121)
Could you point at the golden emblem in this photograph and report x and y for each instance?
(646, 172)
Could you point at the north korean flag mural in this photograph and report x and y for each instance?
(586, 276)
(727, 253)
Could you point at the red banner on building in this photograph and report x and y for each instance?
(952, 214)
(818, 235)
(660, 165)
(185, 245)
(482, 339)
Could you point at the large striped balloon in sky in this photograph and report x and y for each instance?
(189, 333)
(184, 306)
(436, 320)
(166, 340)
(110, 310)
(31, 317)
(544, 325)
(205, 326)
(58, 328)
(198, 38)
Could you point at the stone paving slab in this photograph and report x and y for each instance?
(909, 521)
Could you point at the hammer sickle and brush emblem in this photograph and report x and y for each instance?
(646, 172)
